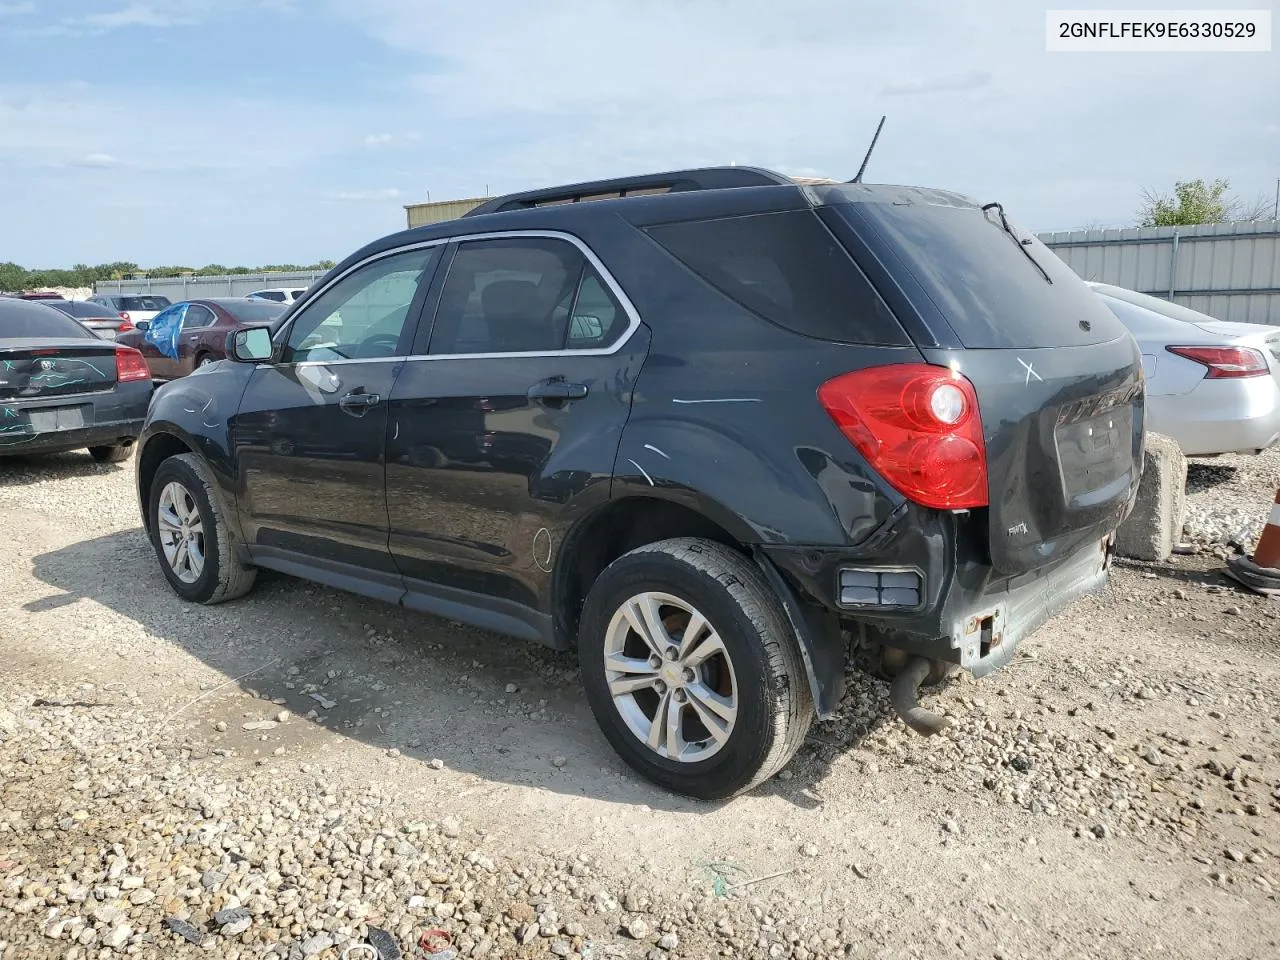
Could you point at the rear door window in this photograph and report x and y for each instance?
(979, 277)
(788, 269)
(197, 316)
(524, 295)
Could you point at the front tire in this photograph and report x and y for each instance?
(691, 668)
(190, 534)
(112, 453)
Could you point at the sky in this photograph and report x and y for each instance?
(246, 132)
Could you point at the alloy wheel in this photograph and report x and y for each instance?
(181, 532)
(670, 677)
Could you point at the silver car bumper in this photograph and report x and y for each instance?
(1219, 416)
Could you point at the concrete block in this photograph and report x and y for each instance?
(1155, 526)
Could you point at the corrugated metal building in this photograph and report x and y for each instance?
(1230, 271)
(421, 214)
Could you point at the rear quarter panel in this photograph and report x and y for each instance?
(726, 419)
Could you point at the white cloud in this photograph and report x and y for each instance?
(974, 101)
(364, 196)
(134, 15)
(97, 160)
(375, 141)
(969, 80)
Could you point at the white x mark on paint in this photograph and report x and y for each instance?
(1030, 373)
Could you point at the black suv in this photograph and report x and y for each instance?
(716, 428)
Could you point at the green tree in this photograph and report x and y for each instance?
(1194, 201)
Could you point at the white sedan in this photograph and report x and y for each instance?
(1213, 386)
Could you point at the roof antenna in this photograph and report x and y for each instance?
(863, 169)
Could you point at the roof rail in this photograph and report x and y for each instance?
(674, 181)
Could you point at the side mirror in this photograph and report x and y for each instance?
(250, 346)
(142, 326)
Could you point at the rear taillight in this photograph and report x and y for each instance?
(131, 365)
(124, 314)
(919, 427)
(1225, 363)
(125, 326)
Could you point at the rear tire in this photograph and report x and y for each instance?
(112, 453)
(183, 501)
(753, 689)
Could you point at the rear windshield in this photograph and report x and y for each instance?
(87, 311)
(27, 320)
(787, 268)
(254, 311)
(980, 278)
(143, 303)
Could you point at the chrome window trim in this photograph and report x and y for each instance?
(633, 315)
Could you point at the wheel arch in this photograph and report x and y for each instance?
(153, 451)
(619, 526)
(623, 524)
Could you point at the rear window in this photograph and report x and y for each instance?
(254, 311)
(788, 269)
(28, 320)
(979, 278)
(144, 303)
(88, 311)
(275, 295)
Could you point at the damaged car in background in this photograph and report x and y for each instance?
(731, 422)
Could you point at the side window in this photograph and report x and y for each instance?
(512, 295)
(363, 315)
(598, 319)
(788, 269)
(197, 316)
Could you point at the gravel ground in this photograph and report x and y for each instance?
(303, 771)
(1229, 498)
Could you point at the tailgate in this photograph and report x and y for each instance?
(32, 372)
(1063, 430)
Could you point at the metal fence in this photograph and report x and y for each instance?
(194, 288)
(1230, 271)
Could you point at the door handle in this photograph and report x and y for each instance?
(357, 402)
(557, 388)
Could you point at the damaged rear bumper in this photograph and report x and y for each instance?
(962, 613)
(986, 631)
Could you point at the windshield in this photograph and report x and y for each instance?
(27, 320)
(973, 272)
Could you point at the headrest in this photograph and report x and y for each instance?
(507, 300)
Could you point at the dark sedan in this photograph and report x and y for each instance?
(201, 328)
(62, 387)
(103, 321)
